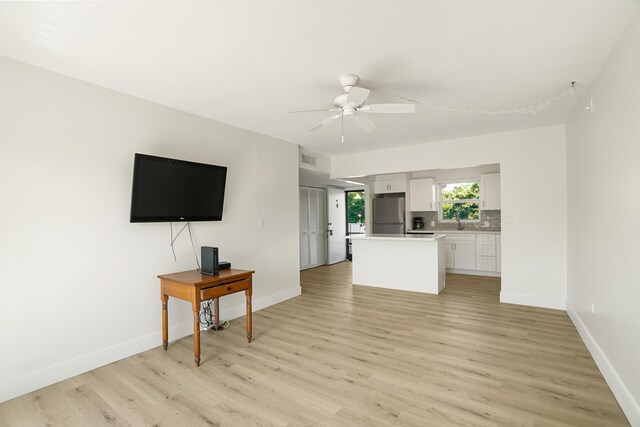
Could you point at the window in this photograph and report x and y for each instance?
(460, 199)
(355, 212)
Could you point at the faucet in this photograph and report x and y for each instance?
(458, 219)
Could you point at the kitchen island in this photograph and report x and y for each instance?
(412, 262)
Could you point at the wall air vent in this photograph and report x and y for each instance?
(308, 160)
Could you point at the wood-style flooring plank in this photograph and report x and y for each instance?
(345, 355)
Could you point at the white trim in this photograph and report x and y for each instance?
(474, 272)
(629, 406)
(532, 300)
(34, 380)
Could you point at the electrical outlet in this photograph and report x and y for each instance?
(593, 308)
(433, 223)
(486, 223)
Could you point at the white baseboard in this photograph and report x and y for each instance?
(532, 300)
(629, 406)
(34, 380)
(474, 272)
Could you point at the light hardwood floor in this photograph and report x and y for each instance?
(343, 355)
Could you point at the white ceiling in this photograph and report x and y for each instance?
(250, 62)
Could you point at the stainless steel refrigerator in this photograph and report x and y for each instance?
(388, 215)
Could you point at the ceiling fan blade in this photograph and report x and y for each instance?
(357, 96)
(389, 108)
(364, 123)
(313, 111)
(326, 121)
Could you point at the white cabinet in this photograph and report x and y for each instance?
(422, 194)
(490, 191)
(465, 258)
(391, 186)
(476, 252)
(312, 227)
(461, 251)
(450, 253)
(498, 253)
(486, 252)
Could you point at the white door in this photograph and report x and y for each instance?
(498, 253)
(312, 227)
(337, 225)
(465, 254)
(490, 191)
(450, 254)
(304, 228)
(422, 192)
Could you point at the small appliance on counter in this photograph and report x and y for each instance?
(418, 223)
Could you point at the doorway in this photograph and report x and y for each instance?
(313, 252)
(355, 200)
(337, 227)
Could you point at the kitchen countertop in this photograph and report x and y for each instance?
(413, 237)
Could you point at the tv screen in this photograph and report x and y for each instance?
(176, 190)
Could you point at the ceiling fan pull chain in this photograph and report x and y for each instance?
(342, 124)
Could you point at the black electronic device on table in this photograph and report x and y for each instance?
(210, 265)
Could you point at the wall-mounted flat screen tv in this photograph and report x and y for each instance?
(167, 190)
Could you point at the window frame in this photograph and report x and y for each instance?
(346, 211)
(442, 183)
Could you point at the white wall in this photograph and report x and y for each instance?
(603, 157)
(78, 282)
(533, 192)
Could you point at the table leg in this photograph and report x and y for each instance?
(216, 314)
(165, 321)
(196, 336)
(249, 311)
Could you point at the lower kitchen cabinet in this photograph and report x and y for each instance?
(461, 251)
(486, 252)
(477, 253)
(498, 253)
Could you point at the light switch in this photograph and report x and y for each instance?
(260, 222)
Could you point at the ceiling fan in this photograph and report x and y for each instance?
(352, 104)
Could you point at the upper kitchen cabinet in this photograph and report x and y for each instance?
(391, 186)
(423, 195)
(490, 191)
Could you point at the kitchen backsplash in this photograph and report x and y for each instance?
(492, 217)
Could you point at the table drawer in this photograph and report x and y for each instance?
(226, 289)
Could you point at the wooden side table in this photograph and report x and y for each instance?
(195, 287)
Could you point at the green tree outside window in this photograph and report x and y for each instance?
(355, 207)
(462, 198)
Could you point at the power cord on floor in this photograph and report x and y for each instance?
(207, 316)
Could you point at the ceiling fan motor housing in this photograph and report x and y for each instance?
(341, 100)
(348, 81)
